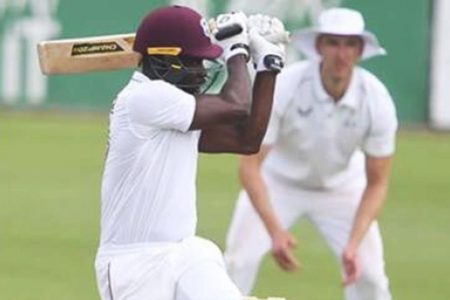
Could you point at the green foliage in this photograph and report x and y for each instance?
(50, 172)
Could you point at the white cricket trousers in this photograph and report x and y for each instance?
(192, 269)
(332, 213)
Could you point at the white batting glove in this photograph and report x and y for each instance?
(230, 32)
(266, 55)
(271, 28)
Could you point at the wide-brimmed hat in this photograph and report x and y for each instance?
(338, 21)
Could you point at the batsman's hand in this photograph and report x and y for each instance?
(283, 244)
(266, 55)
(268, 52)
(236, 24)
(351, 265)
(270, 28)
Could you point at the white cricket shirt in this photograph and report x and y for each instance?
(148, 188)
(318, 143)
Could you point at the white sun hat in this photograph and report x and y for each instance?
(338, 21)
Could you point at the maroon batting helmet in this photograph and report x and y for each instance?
(175, 30)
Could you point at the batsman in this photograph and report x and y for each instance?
(159, 122)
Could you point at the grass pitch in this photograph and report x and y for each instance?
(50, 172)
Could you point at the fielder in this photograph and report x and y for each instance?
(159, 121)
(326, 157)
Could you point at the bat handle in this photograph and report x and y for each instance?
(228, 31)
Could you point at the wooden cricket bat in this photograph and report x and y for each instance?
(98, 53)
(81, 55)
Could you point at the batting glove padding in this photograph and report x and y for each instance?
(230, 33)
(271, 28)
(266, 55)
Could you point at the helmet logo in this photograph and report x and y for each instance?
(206, 28)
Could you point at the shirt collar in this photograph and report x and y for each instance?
(319, 90)
(139, 77)
(350, 98)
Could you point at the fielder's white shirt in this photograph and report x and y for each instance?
(148, 188)
(318, 143)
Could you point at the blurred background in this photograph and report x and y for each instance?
(53, 134)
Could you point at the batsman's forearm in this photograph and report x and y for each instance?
(261, 108)
(237, 87)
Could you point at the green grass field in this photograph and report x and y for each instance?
(50, 171)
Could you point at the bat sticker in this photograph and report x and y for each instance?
(97, 48)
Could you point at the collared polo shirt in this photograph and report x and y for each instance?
(318, 143)
(148, 187)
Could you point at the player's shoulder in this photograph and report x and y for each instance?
(379, 100)
(295, 70)
(287, 83)
(291, 76)
(376, 93)
(142, 86)
(371, 83)
(143, 82)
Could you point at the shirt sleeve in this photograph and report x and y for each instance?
(380, 140)
(161, 105)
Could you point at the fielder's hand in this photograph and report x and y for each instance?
(283, 244)
(352, 266)
(238, 42)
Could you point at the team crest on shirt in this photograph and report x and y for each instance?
(350, 123)
(304, 112)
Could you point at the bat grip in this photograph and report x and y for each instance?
(228, 31)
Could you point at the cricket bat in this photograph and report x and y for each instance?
(81, 55)
(99, 53)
